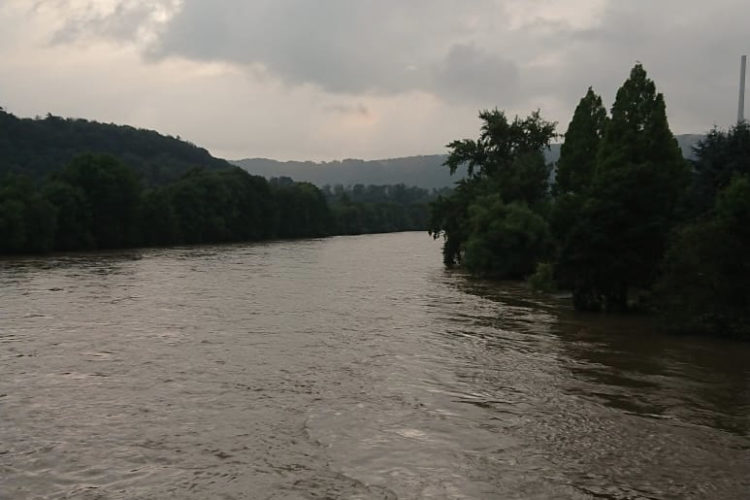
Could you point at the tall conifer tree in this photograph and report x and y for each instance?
(575, 168)
(575, 171)
(619, 239)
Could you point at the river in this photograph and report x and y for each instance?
(347, 367)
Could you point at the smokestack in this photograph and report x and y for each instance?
(741, 110)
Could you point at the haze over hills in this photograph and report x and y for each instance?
(37, 147)
(424, 171)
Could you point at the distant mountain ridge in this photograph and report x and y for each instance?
(425, 171)
(38, 147)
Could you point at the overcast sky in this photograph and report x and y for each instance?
(333, 79)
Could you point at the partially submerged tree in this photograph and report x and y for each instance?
(706, 282)
(575, 172)
(505, 166)
(619, 237)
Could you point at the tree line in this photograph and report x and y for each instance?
(624, 221)
(97, 202)
(361, 209)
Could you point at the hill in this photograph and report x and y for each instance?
(37, 147)
(687, 142)
(423, 171)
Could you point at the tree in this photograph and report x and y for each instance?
(449, 217)
(705, 287)
(509, 154)
(720, 157)
(619, 237)
(505, 166)
(27, 219)
(223, 205)
(112, 194)
(577, 162)
(506, 240)
(576, 167)
(301, 208)
(74, 217)
(158, 220)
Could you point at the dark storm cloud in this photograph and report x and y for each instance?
(468, 72)
(691, 51)
(461, 51)
(342, 46)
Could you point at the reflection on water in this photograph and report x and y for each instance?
(350, 367)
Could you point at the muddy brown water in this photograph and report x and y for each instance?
(349, 367)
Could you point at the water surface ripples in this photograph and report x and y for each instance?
(352, 367)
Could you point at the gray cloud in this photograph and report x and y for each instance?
(349, 109)
(375, 46)
(470, 53)
(123, 20)
(468, 72)
(339, 45)
(124, 23)
(691, 51)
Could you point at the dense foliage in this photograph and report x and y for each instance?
(627, 223)
(69, 184)
(39, 147)
(494, 220)
(97, 202)
(361, 209)
(705, 283)
(617, 241)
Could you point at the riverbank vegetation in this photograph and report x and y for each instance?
(96, 202)
(72, 184)
(361, 209)
(625, 222)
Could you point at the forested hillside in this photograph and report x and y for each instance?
(71, 184)
(38, 147)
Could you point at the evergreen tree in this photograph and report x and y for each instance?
(577, 162)
(640, 176)
(575, 170)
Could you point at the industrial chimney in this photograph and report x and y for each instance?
(741, 110)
